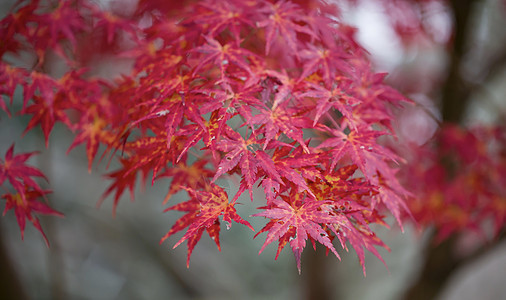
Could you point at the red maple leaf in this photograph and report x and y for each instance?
(233, 99)
(329, 61)
(282, 119)
(204, 209)
(44, 84)
(205, 131)
(25, 204)
(192, 207)
(361, 237)
(173, 114)
(193, 176)
(18, 173)
(362, 148)
(392, 194)
(92, 131)
(303, 218)
(63, 22)
(335, 98)
(295, 166)
(221, 16)
(322, 24)
(239, 152)
(216, 54)
(123, 178)
(15, 23)
(152, 152)
(10, 78)
(283, 20)
(336, 185)
(176, 100)
(287, 86)
(269, 166)
(46, 112)
(111, 24)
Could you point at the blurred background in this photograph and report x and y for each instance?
(96, 256)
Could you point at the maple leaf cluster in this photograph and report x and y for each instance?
(459, 179)
(26, 194)
(272, 94)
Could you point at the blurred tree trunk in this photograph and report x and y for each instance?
(315, 274)
(10, 286)
(455, 92)
(440, 263)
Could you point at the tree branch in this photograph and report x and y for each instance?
(455, 91)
